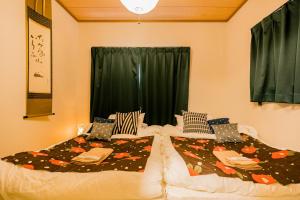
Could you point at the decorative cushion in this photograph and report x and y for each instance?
(100, 120)
(127, 123)
(227, 133)
(140, 121)
(217, 122)
(195, 122)
(103, 120)
(101, 131)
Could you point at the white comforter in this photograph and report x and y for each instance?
(19, 183)
(176, 174)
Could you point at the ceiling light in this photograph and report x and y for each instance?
(139, 7)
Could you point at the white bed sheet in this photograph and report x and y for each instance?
(176, 174)
(177, 193)
(20, 183)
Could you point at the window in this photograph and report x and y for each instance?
(275, 56)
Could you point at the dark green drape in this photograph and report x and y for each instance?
(164, 83)
(275, 56)
(155, 80)
(114, 85)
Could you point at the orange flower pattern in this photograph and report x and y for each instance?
(128, 155)
(203, 141)
(190, 154)
(35, 154)
(224, 168)
(180, 138)
(196, 147)
(219, 148)
(121, 155)
(80, 140)
(58, 162)
(263, 179)
(280, 154)
(278, 166)
(120, 142)
(248, 149)
(142, 141)
(28, 166)
(148, 148)
(77, 150)
(96, 145)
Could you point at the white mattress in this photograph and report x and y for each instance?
(19, 183)
(176, 174)
(178, 193)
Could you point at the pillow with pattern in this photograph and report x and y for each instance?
(227, 133)
(195, 122)
(101, 131)
(141, 123)
(127, 123)
(217, 122)
(100, 120)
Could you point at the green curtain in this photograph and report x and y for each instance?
(155, 80)
(164, 83)
(114, 86)
(275, 56)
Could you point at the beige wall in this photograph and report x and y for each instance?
(207, 41)
(17, 134)
(219, 80)
(277, 124)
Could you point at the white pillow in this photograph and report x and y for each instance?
(112, 116)
(209, 117)
(179, 119)
(141, 120)
(149, 131)
(249, 130)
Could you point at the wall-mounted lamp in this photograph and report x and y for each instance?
(80, 129)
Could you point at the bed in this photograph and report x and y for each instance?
(181, 185)
(21, 183)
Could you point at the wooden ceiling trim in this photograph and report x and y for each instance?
(187, 12)
(169, 3)
(113, 11)
(67, 10)
(238, 8)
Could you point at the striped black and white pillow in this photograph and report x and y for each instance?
(195, 122)
(126, 123)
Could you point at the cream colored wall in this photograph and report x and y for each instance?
(17, 134)
(277, 124)
(219, 79)
(207, 41)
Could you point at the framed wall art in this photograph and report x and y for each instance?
(39, 58)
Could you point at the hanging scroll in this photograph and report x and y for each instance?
(39, 58)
